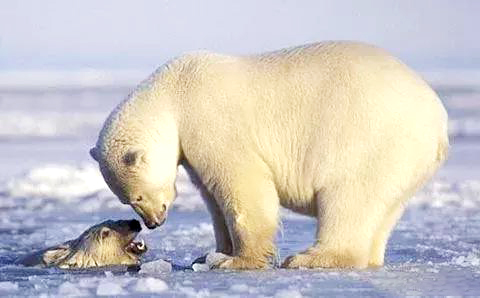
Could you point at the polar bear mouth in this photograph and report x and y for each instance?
(136, 247)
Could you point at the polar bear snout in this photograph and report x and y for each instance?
(151, 216)
(156, 222)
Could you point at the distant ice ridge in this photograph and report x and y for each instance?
(452, 77)
(81, 186)
(48, 124)
(88, 77)
(466, 127)
(440, 194)
(471, 259)
(45, 104)
(61, 182)
(20, 124)
(94, 77)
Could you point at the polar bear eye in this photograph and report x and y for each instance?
(139, 199)
(134, 157)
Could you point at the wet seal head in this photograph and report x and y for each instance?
(106, 244)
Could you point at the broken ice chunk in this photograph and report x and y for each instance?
(155, 267)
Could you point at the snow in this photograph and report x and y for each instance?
(239, 288)
(51, 191)
(109, 288)
(157, 266)
(56, 181)
(470, 260)
(95, 92)
(199, 267)
(47, 124)
(69, 289)
(468, 127)
(443, 194)
(82, 184)
(150, 285)
(290, 293)
(8, 287)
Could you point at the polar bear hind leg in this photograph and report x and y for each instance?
(345, 231)
(380, 239)
(355, 219)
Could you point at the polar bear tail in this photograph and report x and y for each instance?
(442, 150)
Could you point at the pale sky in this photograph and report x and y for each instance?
(56, 34)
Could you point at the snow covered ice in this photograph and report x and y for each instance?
(150, 285)
(50, 192)
(156, 266)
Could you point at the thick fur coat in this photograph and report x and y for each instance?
(341, 131)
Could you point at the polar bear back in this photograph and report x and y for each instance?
(314, 114)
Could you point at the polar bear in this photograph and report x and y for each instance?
(341, 131)
(105, 244)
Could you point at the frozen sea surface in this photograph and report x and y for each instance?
(50, 192)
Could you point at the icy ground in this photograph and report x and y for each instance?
(50, 192)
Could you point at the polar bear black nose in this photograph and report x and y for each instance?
(134, 225)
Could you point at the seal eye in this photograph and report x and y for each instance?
(104, 233)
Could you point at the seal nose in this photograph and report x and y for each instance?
(134, 225)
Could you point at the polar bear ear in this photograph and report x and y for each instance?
(134, 157)
(94, 153)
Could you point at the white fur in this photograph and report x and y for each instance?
(338, 130)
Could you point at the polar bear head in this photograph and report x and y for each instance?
(108, 243)
(132, 179)
(138, 153)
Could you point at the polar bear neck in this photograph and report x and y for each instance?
(151, 113)
(152, 108)
(137, 120)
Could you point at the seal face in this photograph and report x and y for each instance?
(108, 243)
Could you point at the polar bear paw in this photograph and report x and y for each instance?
(241, 263)
(324, 259)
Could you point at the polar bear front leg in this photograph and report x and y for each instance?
(251, 211)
